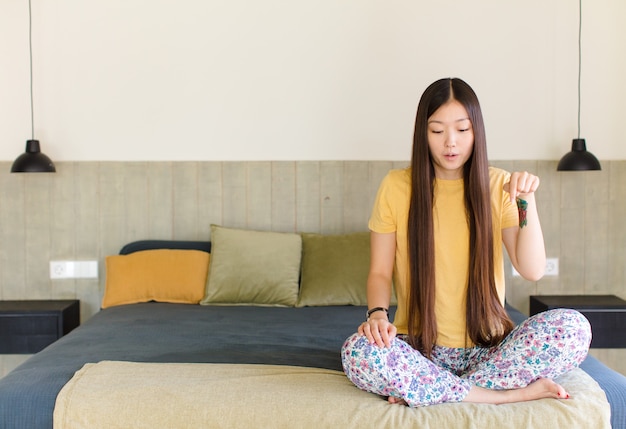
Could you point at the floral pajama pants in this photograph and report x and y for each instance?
(545, 345)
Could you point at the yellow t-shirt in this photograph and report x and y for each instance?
(390, 214)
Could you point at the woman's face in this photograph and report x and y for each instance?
(450, 140)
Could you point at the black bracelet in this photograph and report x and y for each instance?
(374, 310)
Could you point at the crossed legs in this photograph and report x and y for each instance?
(521, 368)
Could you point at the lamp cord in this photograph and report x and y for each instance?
(580, 26)
(30, 46)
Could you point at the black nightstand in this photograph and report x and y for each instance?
(28, 326)
(606, 314)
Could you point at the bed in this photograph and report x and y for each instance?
(222, 364)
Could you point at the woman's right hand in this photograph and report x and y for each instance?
(378, 330)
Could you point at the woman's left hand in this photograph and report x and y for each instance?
(521, 183)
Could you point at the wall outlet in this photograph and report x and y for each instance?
(58, 270)
(552, 268)
(73, 269)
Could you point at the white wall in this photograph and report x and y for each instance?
(293, 80)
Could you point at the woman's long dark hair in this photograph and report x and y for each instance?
(486, 320)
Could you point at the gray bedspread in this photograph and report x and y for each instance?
(155, 332)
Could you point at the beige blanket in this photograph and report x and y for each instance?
(172, 395)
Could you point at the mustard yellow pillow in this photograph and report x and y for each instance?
(164, 275)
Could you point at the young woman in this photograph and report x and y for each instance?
(437, 230)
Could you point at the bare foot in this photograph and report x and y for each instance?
(394, 400)
(542, 388)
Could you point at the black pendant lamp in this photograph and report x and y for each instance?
(579, 159)
(33, 160)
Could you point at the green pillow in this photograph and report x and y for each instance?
(253, 267)
(334, 269)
